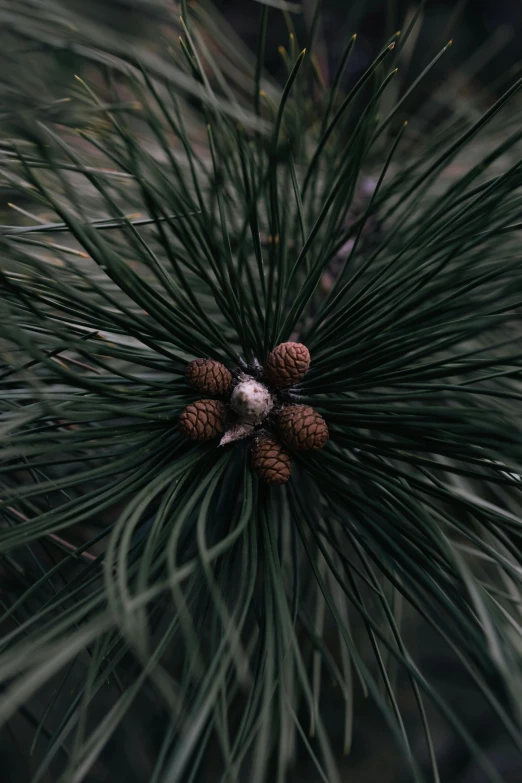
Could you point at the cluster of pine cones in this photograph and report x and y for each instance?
(297, 427)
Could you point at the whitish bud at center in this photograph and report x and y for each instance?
(251, 401)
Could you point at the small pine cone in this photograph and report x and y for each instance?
(203, 420)
(271, 461)
(209, 377)
(287, 364)
(302, 428)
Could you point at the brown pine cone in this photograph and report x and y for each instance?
(287, 364)
(203, 420)
(302, 428)
(271, 461)
(208, 376)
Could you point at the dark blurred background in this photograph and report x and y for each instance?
(486, 33)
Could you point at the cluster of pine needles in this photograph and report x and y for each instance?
(179, 202)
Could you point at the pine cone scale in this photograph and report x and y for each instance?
(287, 364)
(203, 420)
(271, 461)
(302, 428)
(208, 376)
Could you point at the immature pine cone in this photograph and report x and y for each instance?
(271, 461)
(302, 428)
(208, 376)
(203, 420)
(287, 364)
(251, 401)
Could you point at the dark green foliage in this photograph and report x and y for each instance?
(190, 216)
